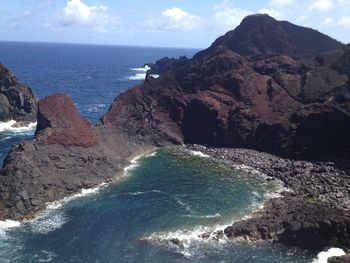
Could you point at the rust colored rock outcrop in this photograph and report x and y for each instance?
(59, 122)
(277, 101)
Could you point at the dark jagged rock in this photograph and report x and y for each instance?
(17, 101)
(297, 222)
(313, 214)
(273, 103)
(343, 259)
(60, 123)
(66, 156)
(165, 64)
(262, 34)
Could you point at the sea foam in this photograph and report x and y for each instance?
(141, 73)
(53, 217)
(323, 256)
(200, 154)
(9, 224)
(134, 163)
(10, 127)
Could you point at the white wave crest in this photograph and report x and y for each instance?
(203, 216)
(84, 192)
(48, 221)
(138, 76)
(151, 154)
(145, 68)
(9, 224)
(144, 192)
(53, 217)
(141, 76)
(323, 256)
(200, 154)
(10, 127)
(134, 163)
(187, 236)
(141, 73)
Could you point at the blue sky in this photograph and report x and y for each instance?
(169, 23)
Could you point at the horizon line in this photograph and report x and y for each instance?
(98, 44)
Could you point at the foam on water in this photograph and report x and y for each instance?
(217, 215)
(10, 127)
(53, 217)
(144, 192)
(323, 256)
(134, 163)
(141, 73)
(200, 154)
(145, 68)
(84, 192)
(9, 224)
(48, 221)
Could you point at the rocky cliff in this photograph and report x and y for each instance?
(67, 155)
(17, 101)
(275, 100)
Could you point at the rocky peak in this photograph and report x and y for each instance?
(17, 101)
(262, 34)
(59, 122)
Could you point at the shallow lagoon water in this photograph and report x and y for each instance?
(169, 194)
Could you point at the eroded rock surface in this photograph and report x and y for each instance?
(59, 122)
(17, 101)
(67, 155)
(273, 103)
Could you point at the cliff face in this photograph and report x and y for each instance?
(67, 155)
(271, 102)
(17, 102)
(60, 122)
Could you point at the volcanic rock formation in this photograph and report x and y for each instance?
(238, 93)
(59, 122)
(17, 101)
(67, 155)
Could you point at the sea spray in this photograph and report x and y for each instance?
(200, 154)
(53, 217)
(10, 127)
(141, 73)
(134, 163)
(323, 256)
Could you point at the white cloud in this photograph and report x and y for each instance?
(280, 3)
(271, 12)
(173, 19)
(344, 21)
(227, 16)
(77, 13)
(321, 5)
(327, 22)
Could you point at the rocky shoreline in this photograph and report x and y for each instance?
(315, 212)
(67, 155)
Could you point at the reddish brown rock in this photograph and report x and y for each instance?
(59, 122)
(297, 108)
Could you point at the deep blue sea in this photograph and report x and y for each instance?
(171, 193)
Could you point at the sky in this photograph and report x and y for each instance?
(160, 23)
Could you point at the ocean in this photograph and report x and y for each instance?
(171, 193)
